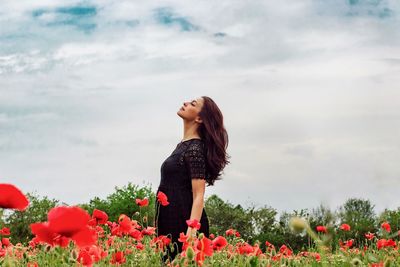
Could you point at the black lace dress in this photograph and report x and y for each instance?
(187, 161)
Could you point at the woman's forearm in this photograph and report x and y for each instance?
(197, 208)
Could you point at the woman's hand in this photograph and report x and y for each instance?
(191, 232)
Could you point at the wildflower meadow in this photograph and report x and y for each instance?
(71, 236)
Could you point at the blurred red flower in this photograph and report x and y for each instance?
(149, 230)
(100, 216)
(162, 198)
(5, 241)
(245, 248)
(269, 246)
(142, 202)
(322, 229)
(203, 247)
(285, 250)
(345, 227)
(219, 243)
(381, 243)
(369, 236)
(161, 241)
(118, 257)
(5, 231)
(385, 226)
(193, 224)
(64, 223)
(12, 198)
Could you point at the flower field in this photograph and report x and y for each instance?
(73, 237)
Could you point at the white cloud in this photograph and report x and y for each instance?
(308, 94)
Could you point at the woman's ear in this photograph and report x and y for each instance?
(199, 120)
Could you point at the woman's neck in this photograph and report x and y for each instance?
(190, 131)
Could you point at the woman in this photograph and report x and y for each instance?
(198, 159)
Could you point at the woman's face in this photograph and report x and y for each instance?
(191, 109)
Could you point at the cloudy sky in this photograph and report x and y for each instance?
(309, 90)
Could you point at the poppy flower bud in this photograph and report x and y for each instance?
(74, 254)
(47, 248)
(297, 224)
(190, 253)
(201, 235)
(145, 219)
(356, 262)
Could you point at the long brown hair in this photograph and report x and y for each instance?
(215, 138)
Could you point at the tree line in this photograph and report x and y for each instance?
(255, 224)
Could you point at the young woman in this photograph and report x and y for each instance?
(198, 159)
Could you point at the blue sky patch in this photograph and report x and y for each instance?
(372, 8)
(81, 17)
(167, 17)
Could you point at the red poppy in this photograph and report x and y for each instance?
(230, 232)
(142, 202)
(322, 229)
(162, 241)
(140, 246)
(100, 216)
(204, 248)
(369, 236)
(386, 226)
(346, 244)
(285, 250)
(12, 198)
(64, 223)
(381, 243)
(149, 230)
(91, 254)
(118, 258)
(193, 224)
(245, 248)
(219, 243)
(5, 231)
(6, 242)
(345, 227)
(85, 258)
(125, 224)
(162, 198)
(183, 239)
(136, 234)
(269, 246)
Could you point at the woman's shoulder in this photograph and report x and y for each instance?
(195, 147)
(196, 143)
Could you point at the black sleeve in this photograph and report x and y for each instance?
(195, 161)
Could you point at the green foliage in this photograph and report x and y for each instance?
(19, 221)
(392, 217)
(123, 201)
(360, 215)
(224, 215)
(284, 235)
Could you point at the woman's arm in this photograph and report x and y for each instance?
(198, 188)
